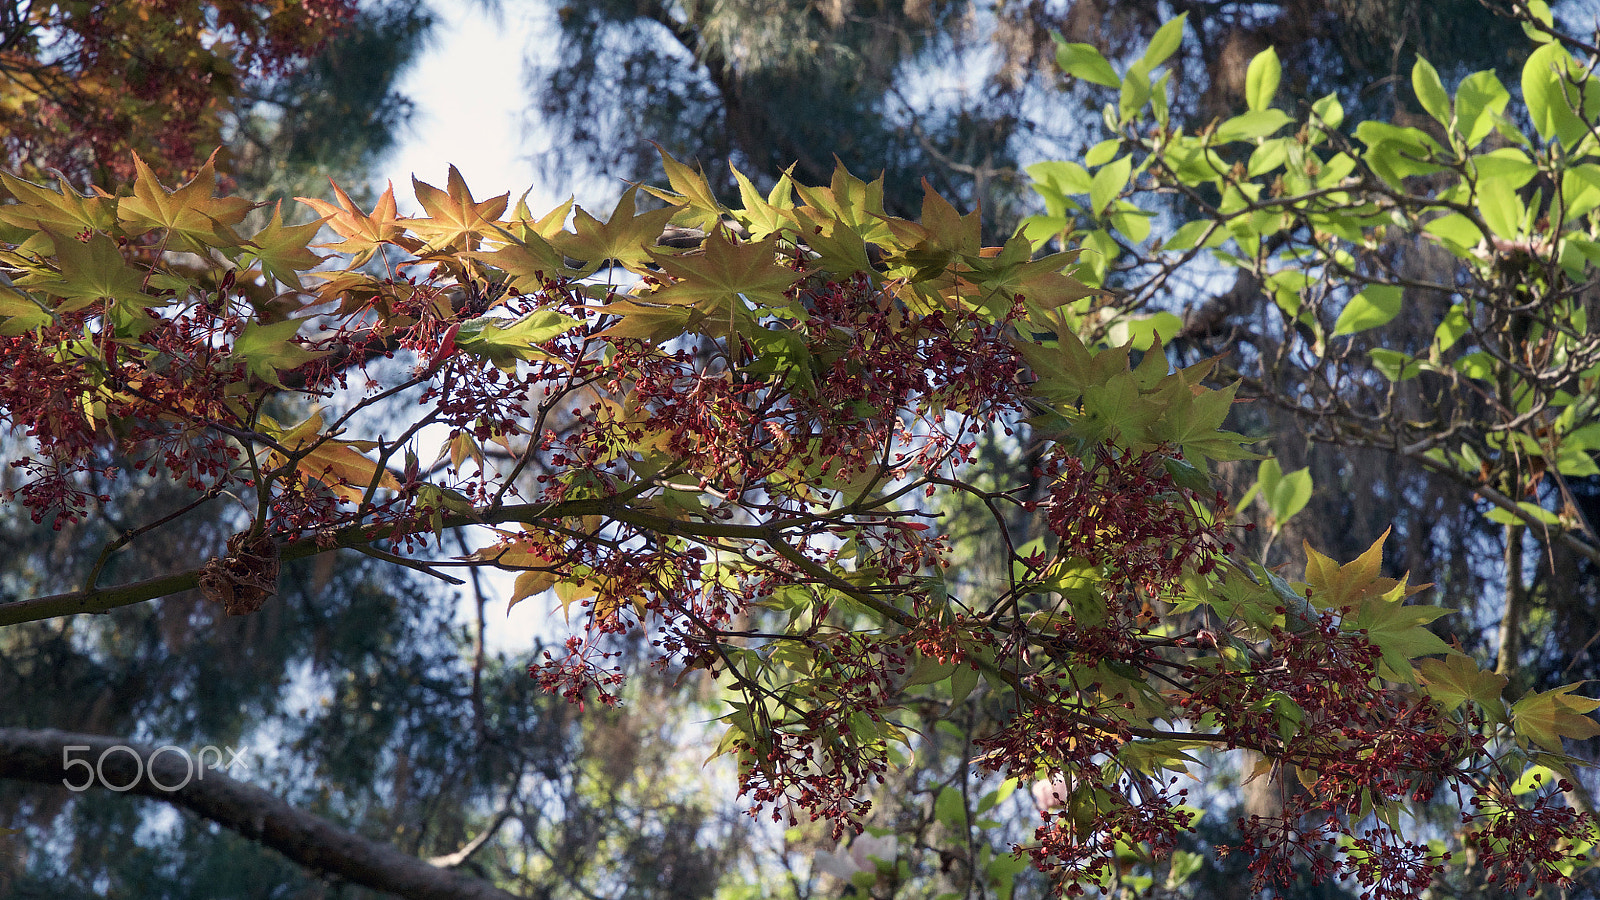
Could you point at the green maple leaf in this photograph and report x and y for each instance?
(1041, 281)
(691, 193)
(1193, 421)
(501, 341)
(1396, 629)
(726, 275)
(856, 204)
(1064, 368)
(1545, 718)
(765, 215)
(649, 322)
(267, 349)
(281, 250)
(20, 313)
(525, 261)
(454, 218)
(193, 212)
(1117, 410)
(624, 239)
(1456, 678)
(91, 271)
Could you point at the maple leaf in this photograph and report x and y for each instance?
(340, 465)
(648, 322)
(1013, 272)
(623, 240)
(698, 207)
(1193, 421)
(20, 313)
(769, 215)
(849, 201)
(193, 212)
(512, 553)
(1545, 718)
(1457, 678)
(1116, 409)
(523, 223)
(502, 341)
(528, 259)
(839, 251)
(942, 236)
(64, 211)
(363, 234)
(455, 219)
(1396, 629)
(267, 349)
(91, 271)
(281, 250)
(1348, 586)
(724, 277)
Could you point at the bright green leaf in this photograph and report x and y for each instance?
(1085, 62)
(1261, 80)
(1374, 306)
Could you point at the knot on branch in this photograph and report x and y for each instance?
(242, 580)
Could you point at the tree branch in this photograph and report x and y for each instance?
(308, 840)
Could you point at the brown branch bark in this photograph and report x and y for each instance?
(308, 840)
(98, 600)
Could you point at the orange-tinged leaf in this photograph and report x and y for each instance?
(513, 552)
(193, 211)
(1337, 587)
(363, 233)
(455, 219)
(945, 229)
(340, 465)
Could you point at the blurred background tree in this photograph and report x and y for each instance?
(956, 92)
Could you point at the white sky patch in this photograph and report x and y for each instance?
(471, 104)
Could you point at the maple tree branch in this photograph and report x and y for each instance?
(360, 537)
(99, 600)
(308, 840)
